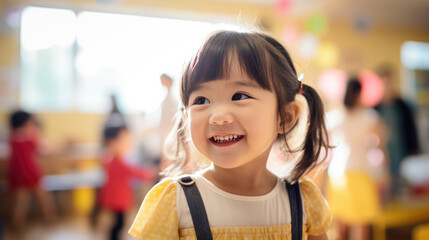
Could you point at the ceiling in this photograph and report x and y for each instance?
(404, 13)
(409, 13)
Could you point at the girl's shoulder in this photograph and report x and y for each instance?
(158, 211)
(319, 217)
(157, 215)
(310, 191)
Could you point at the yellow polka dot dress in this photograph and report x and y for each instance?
(160, 218)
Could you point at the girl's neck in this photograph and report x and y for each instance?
(248, 180)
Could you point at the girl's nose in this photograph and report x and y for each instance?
(221, 116)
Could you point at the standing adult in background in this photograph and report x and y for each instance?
(168, 110)
(151, 131)
(402, 139)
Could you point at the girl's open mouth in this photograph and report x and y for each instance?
(226, 140)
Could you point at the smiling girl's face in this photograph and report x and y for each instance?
(233, 121)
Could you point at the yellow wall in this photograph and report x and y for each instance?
(60, 127)
(381, 44)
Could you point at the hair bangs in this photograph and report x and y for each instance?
(214, 60)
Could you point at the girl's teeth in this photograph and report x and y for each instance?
(226, 138)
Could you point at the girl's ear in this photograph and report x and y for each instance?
(292, 112)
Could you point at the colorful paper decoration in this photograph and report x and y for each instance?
(283, 6)
(308, 45)
(290, 34)
(332, 84)
(328, 55)
(317, 24)
(372, 88)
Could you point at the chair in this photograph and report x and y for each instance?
(421, 232)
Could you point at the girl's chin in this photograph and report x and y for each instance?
(227, 165)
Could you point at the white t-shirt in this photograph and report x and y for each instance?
(267, 210)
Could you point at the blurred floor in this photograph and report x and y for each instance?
(68, 228)
(78, 227)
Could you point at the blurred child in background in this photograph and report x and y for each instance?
(24, 174)
(359, 154)
(117, 194)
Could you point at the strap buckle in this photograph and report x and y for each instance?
(187, 181)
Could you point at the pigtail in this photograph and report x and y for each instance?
(316, 140)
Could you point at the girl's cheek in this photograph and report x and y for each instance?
(253, 118)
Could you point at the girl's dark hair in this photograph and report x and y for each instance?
(19, 118)
(353, 91)
(268, 63)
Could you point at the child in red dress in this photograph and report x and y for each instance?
(117, 194)
(24, 173)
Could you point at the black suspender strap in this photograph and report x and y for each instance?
(295, 210)
(197, 209)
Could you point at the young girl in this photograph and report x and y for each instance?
(239, 95)
(117, 194)
(24, 173)
(361, 131)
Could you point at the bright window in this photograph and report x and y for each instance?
(47, 37)
(75, 61)
(415, 55)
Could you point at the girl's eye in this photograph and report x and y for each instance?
(240, 96)
(201, 101)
